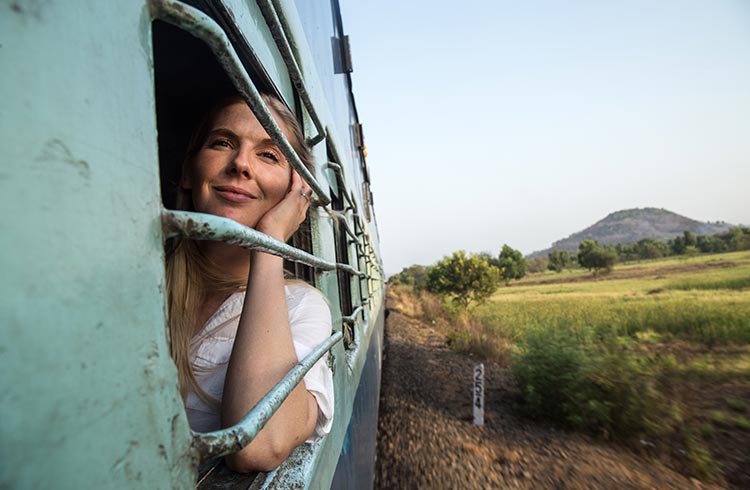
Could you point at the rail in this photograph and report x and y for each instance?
(207, 30)
(351, 319)
(232, 439)
(200, 226)
(279, 28)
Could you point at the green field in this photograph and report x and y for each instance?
(703, 299)
(654, 351)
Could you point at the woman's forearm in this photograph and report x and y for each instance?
(263, 353)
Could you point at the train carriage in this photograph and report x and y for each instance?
(98, 102)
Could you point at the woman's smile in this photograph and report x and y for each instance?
(234, 194)
(239, 172)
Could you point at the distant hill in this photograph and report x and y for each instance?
(631, 225)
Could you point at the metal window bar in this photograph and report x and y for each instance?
(279, 32)
(339, 171)
(199, 226)
(207, 30)
(351, 319)
(232, 439)
(345, 224)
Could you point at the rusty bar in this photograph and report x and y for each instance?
(204, 28)
(232, 439)
(279, 32)
(349, 320)
(200, 226)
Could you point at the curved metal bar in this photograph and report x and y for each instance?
(349, 320)
(200, 226)
(278, 31)
(232, 439)
(207, 30)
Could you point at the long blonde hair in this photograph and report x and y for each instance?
(190, 274)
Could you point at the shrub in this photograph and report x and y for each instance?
(592, 384)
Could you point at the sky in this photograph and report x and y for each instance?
(522, 122)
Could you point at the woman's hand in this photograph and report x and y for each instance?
(282, 220)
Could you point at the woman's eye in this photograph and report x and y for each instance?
(270, 155)
(221, 143)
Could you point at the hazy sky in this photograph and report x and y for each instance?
(521, 122)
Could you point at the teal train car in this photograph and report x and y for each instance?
(97, 102)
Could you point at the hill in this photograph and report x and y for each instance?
(631, 225)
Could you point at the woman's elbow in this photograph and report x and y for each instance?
(257, 457)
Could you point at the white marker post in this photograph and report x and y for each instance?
(478, 394)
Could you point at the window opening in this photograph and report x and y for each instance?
(188, 81)
(207, 227)
(342, 256)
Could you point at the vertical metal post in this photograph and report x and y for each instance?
(478, 394)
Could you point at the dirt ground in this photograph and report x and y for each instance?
(426, 438)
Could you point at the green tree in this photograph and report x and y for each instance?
(538, 264)
(414, 275)
(558, 260)
(677, 245)
(594, 257)
(652, 249)
(689, 238)
(465, 278)
(512, 264)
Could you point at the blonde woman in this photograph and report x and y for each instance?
(230, 352)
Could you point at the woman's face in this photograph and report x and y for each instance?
(238, 172)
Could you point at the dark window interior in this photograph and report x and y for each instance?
(342, 257)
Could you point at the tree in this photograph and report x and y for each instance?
(558, 260)
(512, 264)
(538, 264)
(652, 249)
(677, 245)
(414, 275)
(594, 257)
(466, 278)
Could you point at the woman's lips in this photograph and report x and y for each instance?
(234, 194)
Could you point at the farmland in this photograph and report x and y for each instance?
(654, 356)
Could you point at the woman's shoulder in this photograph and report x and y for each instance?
(302, 292)
(307, 305)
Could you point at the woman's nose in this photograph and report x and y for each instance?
(241, 164)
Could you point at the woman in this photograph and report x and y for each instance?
(229, 355)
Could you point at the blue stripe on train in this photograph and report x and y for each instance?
(356, 465)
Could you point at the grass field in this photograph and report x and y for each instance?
(655, 353)
(704, 299)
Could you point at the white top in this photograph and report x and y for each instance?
(310, 322)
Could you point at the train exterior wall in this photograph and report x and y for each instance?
(89, 396)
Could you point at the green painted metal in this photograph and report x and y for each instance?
(199, 226)
(89, 396)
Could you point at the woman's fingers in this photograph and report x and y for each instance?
(301, 186)
(282, 220)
